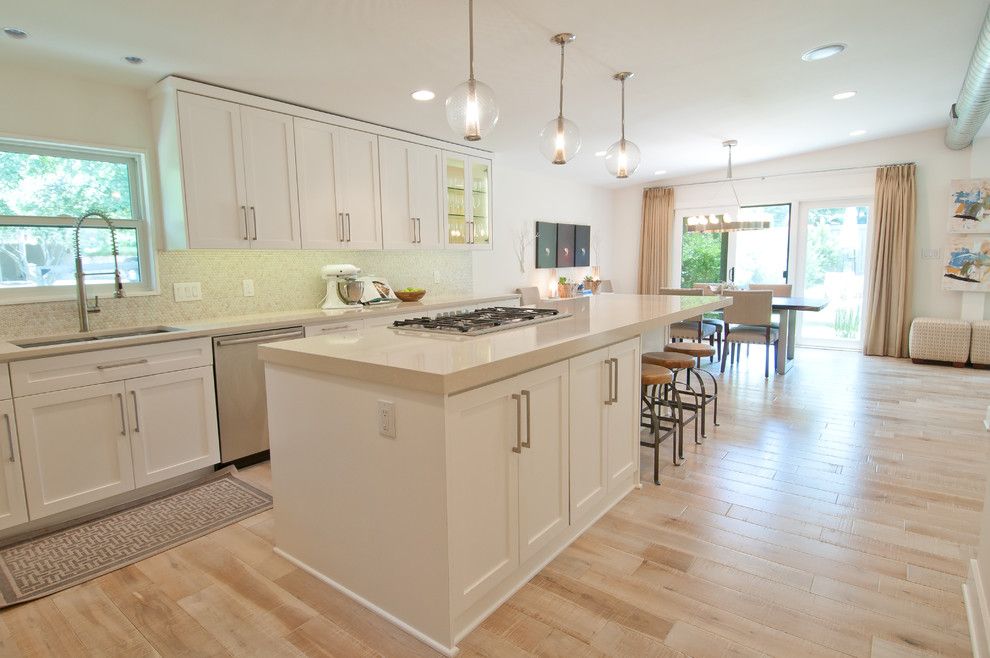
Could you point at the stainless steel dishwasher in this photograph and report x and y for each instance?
(241, 402)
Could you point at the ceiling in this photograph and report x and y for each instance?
(705, 71)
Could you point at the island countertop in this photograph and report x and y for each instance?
(450, 364)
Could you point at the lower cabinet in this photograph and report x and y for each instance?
(74, 446)
(13, 506)
(173, 424)
(622, 429)
(507, 477)
(81, 445)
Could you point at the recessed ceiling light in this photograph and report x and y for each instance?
(600, 154)
(659, 172)
(134, 59)
(823, 52)
(857, 133)
(843, 95)
(15, 33)
(423, 95)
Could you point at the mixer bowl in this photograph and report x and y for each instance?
(350, 291)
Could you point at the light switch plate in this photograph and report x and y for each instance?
(930, 254)
(436, 276)
(187, 292)
(248, 286)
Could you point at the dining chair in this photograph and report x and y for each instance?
(529, 295)
(779, 290)
(748, 320)
(605, 286)
(694, 328)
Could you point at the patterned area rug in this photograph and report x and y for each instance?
(90, 547)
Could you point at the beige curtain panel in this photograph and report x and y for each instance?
(655, 242)
(888, 311)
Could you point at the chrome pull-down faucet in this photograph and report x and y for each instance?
(118, 286)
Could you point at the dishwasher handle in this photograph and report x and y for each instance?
(260, 339)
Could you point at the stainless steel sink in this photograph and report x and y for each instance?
(87, 338)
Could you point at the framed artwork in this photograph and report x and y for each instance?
(565, 245)
(582, 245)
(967, 265)
(970, 206)
(546, 244)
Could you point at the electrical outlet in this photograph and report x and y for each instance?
(248, 285)
(930, 254)
(187, 292)
(386, 419)
(436, 276)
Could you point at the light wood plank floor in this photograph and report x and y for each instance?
(833, 512)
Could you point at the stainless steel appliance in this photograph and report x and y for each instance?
(480, 321)
(241, 402)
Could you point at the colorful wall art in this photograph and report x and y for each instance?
(967, 266)
(562, 245)
(970, 206)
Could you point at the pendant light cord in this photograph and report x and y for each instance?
(471, 39)
(622, 82)
(560, 114)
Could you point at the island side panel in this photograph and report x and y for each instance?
(364, 511)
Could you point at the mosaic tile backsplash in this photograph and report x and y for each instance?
(283, 281)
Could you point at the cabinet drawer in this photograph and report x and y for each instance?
(4, 382)
(72, 370)
(334, 328)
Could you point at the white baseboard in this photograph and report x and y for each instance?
(977, 612)
(447, 651)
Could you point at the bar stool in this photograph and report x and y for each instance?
(675, 362)
(654, 380)
(701, 397)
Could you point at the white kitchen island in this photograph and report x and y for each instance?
(505, 447)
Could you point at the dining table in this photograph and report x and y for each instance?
(788, 308)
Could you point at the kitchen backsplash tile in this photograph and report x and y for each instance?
(283, 281)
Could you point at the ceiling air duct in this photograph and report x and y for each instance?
(973, 105)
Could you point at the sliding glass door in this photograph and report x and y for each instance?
(832, 255)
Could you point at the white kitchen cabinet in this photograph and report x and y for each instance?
(347, 329)
(622, 427)
(13, 505)
(410, 185)
(507, 477)
(75, 447)
(589, 400)
(5, 393)
(238, 175)
(468, 183)
(212, 168)
(339, 197)
(270, 176)
(173, 424)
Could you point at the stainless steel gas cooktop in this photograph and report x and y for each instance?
(480, 321)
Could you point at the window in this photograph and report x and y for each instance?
(43, 190)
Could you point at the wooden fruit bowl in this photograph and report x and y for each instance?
(410, 296)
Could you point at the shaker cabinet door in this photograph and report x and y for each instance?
(589, 381)
(399, 227)
(320, 214)
(356, 173)
(213, 173)
(270, 174)
(13, 505)
(623, 416)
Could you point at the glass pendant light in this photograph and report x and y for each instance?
(622, 158)
(560, 139)
(471, 108)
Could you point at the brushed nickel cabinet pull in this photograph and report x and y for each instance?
(340, 227)
(254, 222)
(111, 366)
(608, 396)
(518, 447)
(123, 415)
(347, 216)
(529, 425)
(244, 212)
(10, 437)
(615, 380)
(137, 414)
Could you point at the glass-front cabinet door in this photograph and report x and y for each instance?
(468, 183)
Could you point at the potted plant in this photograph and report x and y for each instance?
(591, 284)
(566, 289)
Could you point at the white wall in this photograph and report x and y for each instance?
(521, 199)
(937, 166)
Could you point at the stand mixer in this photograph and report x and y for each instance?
(345, 289)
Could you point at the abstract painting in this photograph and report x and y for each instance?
(582, 245)
(967, 267)
(565, 245)
(970, 209)
(546, 244)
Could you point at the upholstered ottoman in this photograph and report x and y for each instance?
(979, 347)
(936, 340)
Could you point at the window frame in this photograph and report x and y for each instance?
(136, 161)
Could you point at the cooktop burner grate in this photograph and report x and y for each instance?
(480, 321)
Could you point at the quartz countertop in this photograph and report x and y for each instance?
(237, 324)
(448, 364)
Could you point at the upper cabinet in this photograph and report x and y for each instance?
(469, 202)
(244, 172)
(411, 193)
(238, 175)
(339, 203)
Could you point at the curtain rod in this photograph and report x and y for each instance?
(789, 173)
